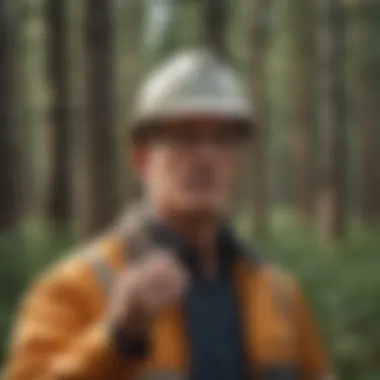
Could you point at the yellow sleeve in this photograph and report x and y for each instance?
(313, 357)
(60, 334)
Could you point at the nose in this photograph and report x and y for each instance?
(207, 147)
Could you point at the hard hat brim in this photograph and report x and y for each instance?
(141, 129)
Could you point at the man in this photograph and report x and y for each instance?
(170, 293)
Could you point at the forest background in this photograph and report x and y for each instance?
(311, 195)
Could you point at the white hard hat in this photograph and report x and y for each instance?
(191, 83)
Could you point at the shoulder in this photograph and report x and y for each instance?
(73, 279)
(276, 282)
(74, 263)
(275, 275)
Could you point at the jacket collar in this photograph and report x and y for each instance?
(227, 244)
(143, 232)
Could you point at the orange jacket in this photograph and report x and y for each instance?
(60, 334)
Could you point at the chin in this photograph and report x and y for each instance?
(202, 206)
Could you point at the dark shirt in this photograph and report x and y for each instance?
(211, 315)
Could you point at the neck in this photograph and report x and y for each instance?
(199, 230)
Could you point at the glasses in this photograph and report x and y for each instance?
(192, 135)
(194, 140)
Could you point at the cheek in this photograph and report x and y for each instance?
(228, 169)
(163, 169)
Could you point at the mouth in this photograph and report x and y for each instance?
(202, 181)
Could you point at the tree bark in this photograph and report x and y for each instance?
(215, 20)
(11, 150)
(59, 196)
(99, 201)
(367, 98)
(330, 206)
(300, 100)
(130, 70)
(259, 45)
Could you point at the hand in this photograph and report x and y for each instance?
(144, 289)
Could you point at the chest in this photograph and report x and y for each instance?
(226, 326)
(212, 327)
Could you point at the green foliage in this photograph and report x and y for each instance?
(12, 274)
(24, 254)
(342, 287)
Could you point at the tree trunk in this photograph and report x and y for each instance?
(300, 100)
(99, 200)
(163, 38)
(367, 98)
(330, 207)
(215, 20)
(259, 44)
(130, 27)
(11, 152)
(59, 186)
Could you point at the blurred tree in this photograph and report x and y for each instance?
(300, 80)
(366, 92)
(99, 187)
(130, 66)
(11, 112)
(278, 97)
(77, 54)
(59, 201)
(330, 203)
(190, 23)
(215, 17)
(259, 50)
(163, 23)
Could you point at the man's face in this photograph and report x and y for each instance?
(191, 165)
